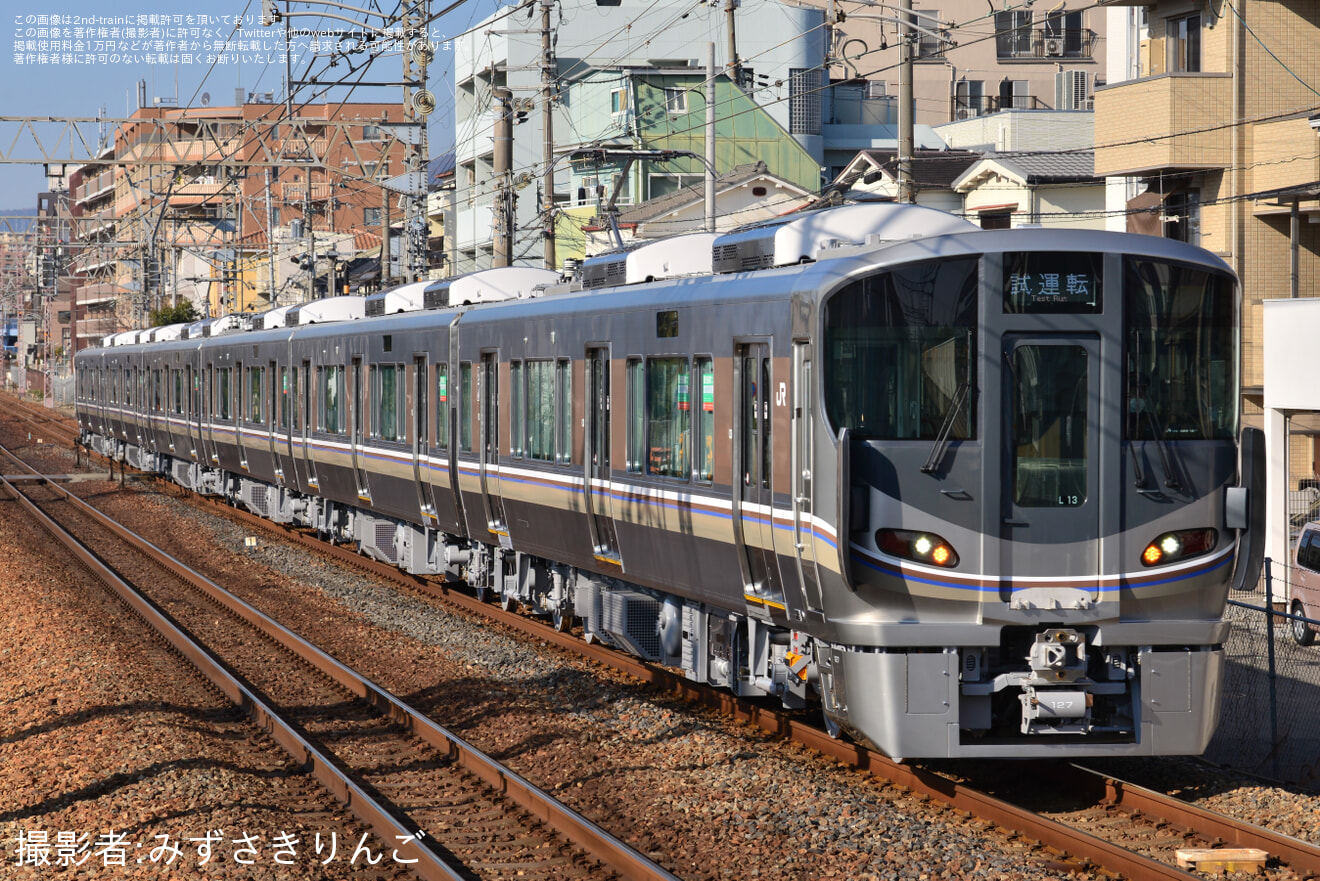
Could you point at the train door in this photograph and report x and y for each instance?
(803, 538)
(753, 516)
(488, 399)
(1051, 436)
(208, 414)
(309, 415)
(596, 460)
(191, 414)
(421, 434)
(357, 434)
(276, 417)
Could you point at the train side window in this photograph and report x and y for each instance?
(466, 404)
(157, 390)
(704, 371)
(636, 392)
(285, 409)
(385, 389)
(222, 393)
(329, 388)
(541, 410)
(256, 395)
(517, 437)
(564, 412)
(668, 416)
(178, 392)
(442, 406)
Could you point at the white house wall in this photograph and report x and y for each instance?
(1291, 329)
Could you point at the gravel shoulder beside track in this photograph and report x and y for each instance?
(99, 737)
(711, 799)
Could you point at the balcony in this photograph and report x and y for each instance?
(1045, 44)
(1174, 121)
(982, 105)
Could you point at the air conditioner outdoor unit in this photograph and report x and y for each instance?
(965, 113)
(1054, 47)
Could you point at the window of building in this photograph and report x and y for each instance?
(804, 90)
(371, 216)
(1014, 94)
(619, 101)
(664, 184)
(1184, 39)
(668, 417)
(442, 406)
(997, 220)
(371, 133)
(386, 393)
(969, 98)
(1182, 217)
(676, 99)
(930, 40)
(1013, 34)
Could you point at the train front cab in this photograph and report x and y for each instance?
(1041, 448)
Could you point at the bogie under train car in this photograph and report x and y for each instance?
(975, 493)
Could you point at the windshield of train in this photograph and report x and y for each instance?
(898, 347)
(1181, 369)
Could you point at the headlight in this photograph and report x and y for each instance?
(923, 547)
(1173, 546)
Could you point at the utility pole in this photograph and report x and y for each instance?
(907, 191)
(710, 137)
(311, 239)
(386, 263)
(735, 66)
(503, 173)
(416, 106)
(270, 241)
(549, 72)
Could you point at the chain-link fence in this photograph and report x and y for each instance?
(1269, 722)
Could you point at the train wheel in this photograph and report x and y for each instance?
(1302, 633)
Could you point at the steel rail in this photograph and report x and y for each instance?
(582, 832)
(1048, 832)
(1300, 856)
(429, 865)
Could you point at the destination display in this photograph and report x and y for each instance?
(1052, 282)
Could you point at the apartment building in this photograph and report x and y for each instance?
(1210, 124)
(182, 195)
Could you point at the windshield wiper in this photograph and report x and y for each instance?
(1170, 478)
(946, 427)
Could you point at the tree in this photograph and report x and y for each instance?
(182, 312)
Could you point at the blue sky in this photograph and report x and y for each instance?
(85, 86)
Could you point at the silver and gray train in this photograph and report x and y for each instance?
(975, 493)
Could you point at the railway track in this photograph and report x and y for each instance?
(455, 811)
(1082, 820)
